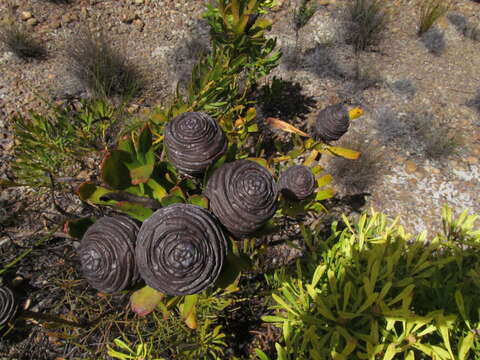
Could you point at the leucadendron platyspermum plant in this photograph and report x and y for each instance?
(191, 156)
(372, 291)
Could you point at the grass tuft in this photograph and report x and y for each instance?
(101, 68)
(434, 41)
(430, 12)
(434, 136)
(367, 23)
(357, 176)
(20, 42)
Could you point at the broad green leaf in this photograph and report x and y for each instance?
(158, 190)
(339, 151)
(171, 199)
(76, 228)
(324, 194)
(114, 171)
(145, 300)
(199, 200)
(93, 193)
(189, 310)
(260, 161)
(145, 140)
(134, 210)
(324, 180)
(177, 191)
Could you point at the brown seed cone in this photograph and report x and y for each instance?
(107, 254)
(331, 123)
(297, 183)
(8, 305)
(243, 195)
(194, 141)
(181, 249)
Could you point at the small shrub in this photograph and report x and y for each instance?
(474, 103)
(404, 87)
(101, 68)
(20, 42)
(434, 137)
(430, 12)
(434, 41)
(464, 27)
(360, 175)
(370, 291)
(389, 125)
(367, 23)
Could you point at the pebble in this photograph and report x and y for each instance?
(26, 15)
(139, 24)
(138, 2)
(472, 160)
(32, 22)
(410, 167)
(128, 17)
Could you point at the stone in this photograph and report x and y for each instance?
(410, 167)
(25, 15)
(139, 24)
(32, 22)
(128, 17)
(138, 2)
(472, 160)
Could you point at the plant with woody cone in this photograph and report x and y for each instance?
(107, 254)
(194, 140)
(181, 249)
(243, 195)
(8, 305)
(297, 183)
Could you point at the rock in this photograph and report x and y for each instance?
(139, 24)
(322, 28)
(84, 12)
(410, 167)
(472, 160)
(133, 108)
(55, 24)
(138, 2)
(128, 17)
(32, 22)
(26, 15)
(68, 18)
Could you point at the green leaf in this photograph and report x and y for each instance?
(189, 310)
(114, 171)
(171, 199)
(93, 193)
(199, 200)
(324, 180)
(177, 191)
(260, 161)
(76, 228)
(466, 344)
(145, 140)
(134, 210)
(261, 355)
(324, 194)
(144, 301)
(342, 152)
(158, 190)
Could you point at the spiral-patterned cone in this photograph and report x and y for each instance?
(8, 305)
(181, 249)
(107, 254)
(332, 122)
(297, 182)
(242, 195)
(194, 141)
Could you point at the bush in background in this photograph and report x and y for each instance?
(19, 41)
(370, 290)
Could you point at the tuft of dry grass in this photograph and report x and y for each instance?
(361, 175)
(367, 23)
(101, 68)
(430, 12)
(19, 41)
